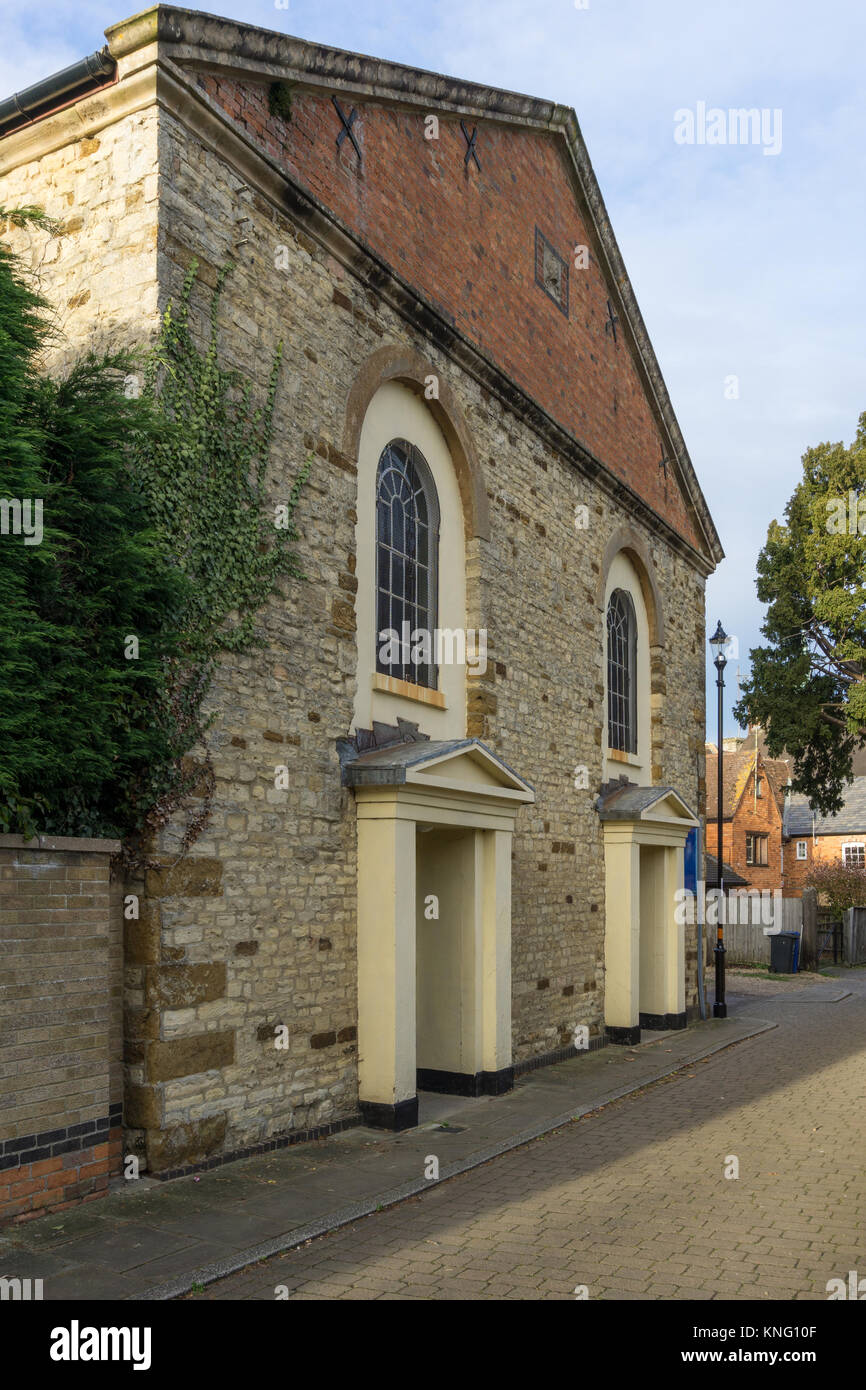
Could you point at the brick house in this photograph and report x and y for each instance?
(462, 343)
(810, 838)
(753, 805)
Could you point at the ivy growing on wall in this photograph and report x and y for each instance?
(204, 477)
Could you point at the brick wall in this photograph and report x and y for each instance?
(825, 849)
(466, 238)
(752, 815)
(60, 1025)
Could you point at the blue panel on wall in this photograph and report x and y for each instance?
(690, 861)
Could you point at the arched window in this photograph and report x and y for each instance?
(621, 673)
(407, 541)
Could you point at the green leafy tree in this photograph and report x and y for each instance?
(839, 885)
(807, 686)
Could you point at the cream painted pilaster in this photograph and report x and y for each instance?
(675, 934)
(622, 929)
(386, 963)
(493, 859)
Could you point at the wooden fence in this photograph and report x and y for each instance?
(854, 936)
(746, 939)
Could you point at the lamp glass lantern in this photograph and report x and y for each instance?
(718, 642)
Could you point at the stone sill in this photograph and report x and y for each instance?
(616, 755)
(60, 842)
(390, 685)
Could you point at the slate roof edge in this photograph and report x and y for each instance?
(374, 767)
(623, 802)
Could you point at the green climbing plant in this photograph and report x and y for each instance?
(204, 477)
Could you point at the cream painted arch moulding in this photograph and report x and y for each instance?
(397, 413)
(648, 766)
(396, 362)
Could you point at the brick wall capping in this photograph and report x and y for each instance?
(66, 843)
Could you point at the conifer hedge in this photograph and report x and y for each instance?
(157, 548)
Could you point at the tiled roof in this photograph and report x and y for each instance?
(729, 876)
(624, 800)
(736, 772)
(851, 820)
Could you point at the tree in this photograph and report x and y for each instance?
(807, 686)
(155, 551)
(81, 571)
(840, 885)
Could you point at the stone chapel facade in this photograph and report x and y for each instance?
(476, 858)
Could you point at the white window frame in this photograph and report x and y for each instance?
(861, 848)
(802, 849)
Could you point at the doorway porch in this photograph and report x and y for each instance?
(435, 825)
(645, 830)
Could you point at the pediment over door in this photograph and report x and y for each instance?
(659, 805)
(461, 765)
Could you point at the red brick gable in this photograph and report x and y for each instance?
(466, 239)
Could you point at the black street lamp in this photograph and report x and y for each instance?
(718, 642)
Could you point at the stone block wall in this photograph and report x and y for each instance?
(60, 1025)
(99, 270)
(281, 918)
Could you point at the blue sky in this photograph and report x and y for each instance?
(744, 264)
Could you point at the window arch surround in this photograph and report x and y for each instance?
(407, 554)
(395, 362)
(397, 412)
(628, 542)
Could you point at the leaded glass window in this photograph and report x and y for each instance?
(407, 539)
(621, 673)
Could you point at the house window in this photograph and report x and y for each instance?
(802, 849)
(407, 540)
(854, 856)
(756, 849)
(759, 787)
(621, 673)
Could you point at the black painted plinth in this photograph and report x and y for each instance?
(625, 1037)
(663, 1023)
(403, 1115)
(460, 1083)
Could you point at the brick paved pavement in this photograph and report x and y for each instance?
(631, 1200)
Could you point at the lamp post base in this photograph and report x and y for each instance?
(720, 1008)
